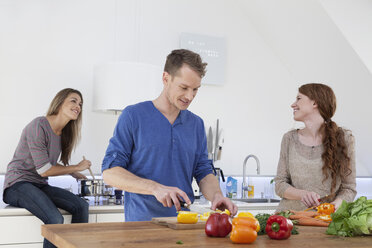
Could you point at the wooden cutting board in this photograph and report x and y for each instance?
(171, 222)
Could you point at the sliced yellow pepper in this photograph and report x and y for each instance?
(205, 216)
(326, 208)
(187, 217)
(226, 211)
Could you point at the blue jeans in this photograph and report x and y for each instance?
(43, 201)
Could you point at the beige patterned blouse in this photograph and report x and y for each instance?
(300, 166)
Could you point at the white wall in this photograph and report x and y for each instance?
(312, 47)
(48, 45)
(354, 19)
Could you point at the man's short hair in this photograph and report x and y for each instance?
(177, 58)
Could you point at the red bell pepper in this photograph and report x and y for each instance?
(278, 227)
(218, 225)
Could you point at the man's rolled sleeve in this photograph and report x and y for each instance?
(119, 149)
(204, 165)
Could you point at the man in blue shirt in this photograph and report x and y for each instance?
(158, 147)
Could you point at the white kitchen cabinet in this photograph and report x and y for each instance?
(25, 229)
(115, 217)
(20, 229)
(34, 245)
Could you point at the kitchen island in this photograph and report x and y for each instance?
(147, 234)
(19, 228)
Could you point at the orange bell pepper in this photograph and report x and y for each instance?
(244, 230)
(324, 217)
(248, 214)
(326, 208)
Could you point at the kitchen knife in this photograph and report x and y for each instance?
(216, 144)
(194, 208)
(210, 143)
(326, 198)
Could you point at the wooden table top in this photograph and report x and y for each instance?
(147, 234)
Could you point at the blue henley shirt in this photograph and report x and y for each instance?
(146, 144)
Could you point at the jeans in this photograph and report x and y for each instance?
(43, 201)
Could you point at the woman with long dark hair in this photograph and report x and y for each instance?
(318, 160)
(42, 141)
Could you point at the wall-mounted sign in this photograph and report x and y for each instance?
(212, 50)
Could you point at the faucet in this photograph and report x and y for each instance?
(245, 187)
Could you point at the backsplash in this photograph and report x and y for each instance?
(364, 185)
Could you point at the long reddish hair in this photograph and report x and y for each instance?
(336, 162)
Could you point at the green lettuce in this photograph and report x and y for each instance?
(352, 219)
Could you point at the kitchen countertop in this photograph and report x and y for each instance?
(147, 234)
(101, 207)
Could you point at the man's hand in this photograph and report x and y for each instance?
(169, 196)
(223, 203)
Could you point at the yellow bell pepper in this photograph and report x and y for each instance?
(187, 217)
(245, 214)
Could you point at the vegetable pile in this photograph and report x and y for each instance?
(352, 219)
(245, 227)
(263, 218)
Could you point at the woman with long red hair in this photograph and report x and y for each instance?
(318, 160)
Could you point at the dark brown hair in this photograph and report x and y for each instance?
(336, 162)
(71, 132)
(177, 58)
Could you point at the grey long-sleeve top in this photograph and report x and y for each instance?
(300, 166)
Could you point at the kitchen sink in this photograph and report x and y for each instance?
(257, 200)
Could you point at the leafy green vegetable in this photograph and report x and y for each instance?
(179, 242)
(287, 214)
(352, 219)
(262, 218)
